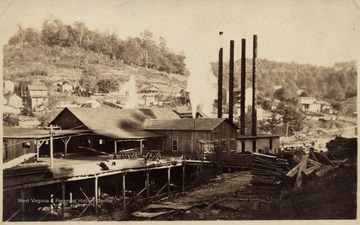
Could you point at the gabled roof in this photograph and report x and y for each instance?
(159, 113)
(112, 122)
(202, 124)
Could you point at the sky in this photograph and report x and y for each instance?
(317, 32)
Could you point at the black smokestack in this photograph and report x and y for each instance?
(220, 78)
(242, 85)
(231, 81)
(253, 119)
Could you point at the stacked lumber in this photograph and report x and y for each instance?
(268, 174)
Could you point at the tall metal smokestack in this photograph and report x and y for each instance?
(220, 77)
(231, 82)
(242, 85)
(253, 119)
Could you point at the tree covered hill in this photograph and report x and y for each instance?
(281, 80)
(61, 52)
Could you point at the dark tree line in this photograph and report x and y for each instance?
(141, 51)
(335, 84)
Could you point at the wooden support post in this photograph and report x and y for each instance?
(66, 142)
(37, 150)
(123, 191)
(183, 178)
(115, 147)
(70, 198)
(96, 195)
(22, 204)
(63, 184)
(147, 186)
(51, 147)
(169, 180)
(141, 146)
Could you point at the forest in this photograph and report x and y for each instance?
(141, 51)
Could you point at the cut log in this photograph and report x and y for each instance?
(94, 150)
(151, 215)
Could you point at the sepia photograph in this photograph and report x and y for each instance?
(187, 111)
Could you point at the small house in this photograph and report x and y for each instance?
(193, 136)
(37, 96)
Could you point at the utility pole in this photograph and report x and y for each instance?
(51, 147)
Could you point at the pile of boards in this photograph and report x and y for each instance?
(314, 164)
(268, 174)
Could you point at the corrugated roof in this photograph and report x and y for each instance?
(113, 122)
(184, 124)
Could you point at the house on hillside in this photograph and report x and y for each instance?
(194, 136)
(9, 87)
(37, 96)
(310, 104)
(91, 103)
(12, 104)
(149, 89)
(64, 87)
(184, 97)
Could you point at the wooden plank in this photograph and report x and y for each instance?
(151, 215)
(169, 206)
(264, 155)
(293, 171)
(18, 160)
(315, 163)
(303, 164)
(311, 169)
(94, 150)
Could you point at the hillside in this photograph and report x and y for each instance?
(57, 64)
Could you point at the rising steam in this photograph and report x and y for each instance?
(201, 85)
(129, 88)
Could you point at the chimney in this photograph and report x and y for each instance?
(242, 85)
(231, 82)
(253, 119)
(220, 77)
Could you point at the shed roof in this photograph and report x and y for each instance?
(113, 122)
(31, 133)
(201, 124)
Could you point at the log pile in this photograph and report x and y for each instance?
(268, 174)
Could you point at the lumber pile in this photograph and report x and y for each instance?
(268, 174)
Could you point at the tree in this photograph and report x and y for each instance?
(107, 85)
(146, 43)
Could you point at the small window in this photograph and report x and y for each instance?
(101, 141)
(223, 142)
(26, 144)
(216, 143)
(232, 145)
(174, 145)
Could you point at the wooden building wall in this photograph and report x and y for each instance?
(224, 135)
(13, 148)
(262, 143)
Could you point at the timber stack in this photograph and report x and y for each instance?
(268, 174)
